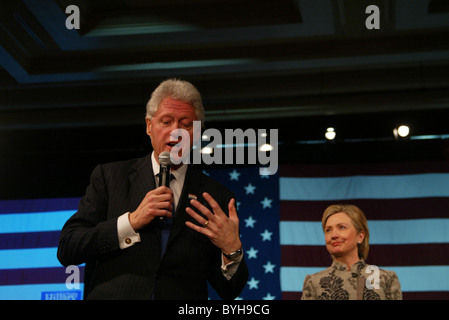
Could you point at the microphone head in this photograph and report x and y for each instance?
(164, 158)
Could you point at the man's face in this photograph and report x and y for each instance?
(170, 115)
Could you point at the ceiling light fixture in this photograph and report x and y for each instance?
(330, 133)
(401, 131)
(266, 147)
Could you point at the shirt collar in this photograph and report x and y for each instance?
(342, 267)
(179, 173)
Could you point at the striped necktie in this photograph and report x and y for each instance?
(166, 226)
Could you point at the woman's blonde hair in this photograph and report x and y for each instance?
(358, 220)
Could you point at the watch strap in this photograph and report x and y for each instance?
(233, 256)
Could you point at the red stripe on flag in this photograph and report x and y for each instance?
(342, 170)
(381, 255)
(10, 277)
(374, 209)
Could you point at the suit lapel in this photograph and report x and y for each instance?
(193, 184)
(141, 179)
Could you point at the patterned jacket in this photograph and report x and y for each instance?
(337, 283)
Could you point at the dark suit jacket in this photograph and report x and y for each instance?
(138, 272)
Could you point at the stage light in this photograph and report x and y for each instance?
(330, 133)
(401, 131)
(266, 147)
(207, 150)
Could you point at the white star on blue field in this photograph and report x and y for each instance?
(257, 199)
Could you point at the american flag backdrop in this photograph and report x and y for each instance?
(29, 234)
(407, 208)
(258, 210)
(406, 204)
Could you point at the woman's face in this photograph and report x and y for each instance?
(341, 236)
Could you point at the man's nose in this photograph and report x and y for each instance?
(176, 124)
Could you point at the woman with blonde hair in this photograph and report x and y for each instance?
(346, 235)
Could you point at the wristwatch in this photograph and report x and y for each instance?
(234, 256)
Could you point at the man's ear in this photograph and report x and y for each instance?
(148, 121)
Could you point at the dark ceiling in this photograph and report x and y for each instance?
(71, 98)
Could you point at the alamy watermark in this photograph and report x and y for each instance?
(371, 22)
(256, 146)
(372, 281)
(73, 20)
(73, 279)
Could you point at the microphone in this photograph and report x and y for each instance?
(164, 172)
(164, 169)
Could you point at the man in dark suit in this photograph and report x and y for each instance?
(140, 241)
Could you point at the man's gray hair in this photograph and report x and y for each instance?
(179, 90)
